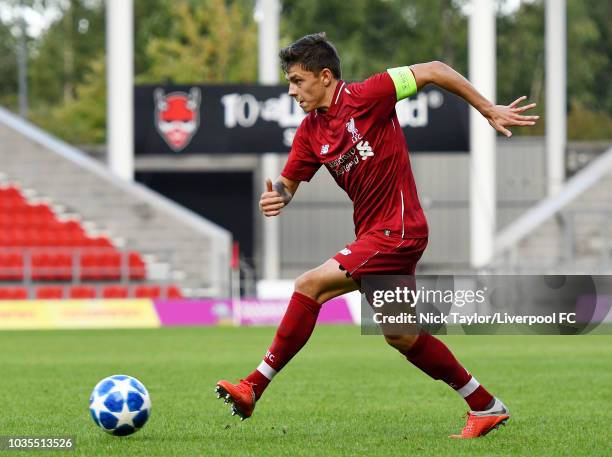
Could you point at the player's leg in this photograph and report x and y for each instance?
(435, 359)
(427, 352)
(312, 289)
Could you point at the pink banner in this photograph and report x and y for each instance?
(248, 311)
(270, 312)
(193, 312)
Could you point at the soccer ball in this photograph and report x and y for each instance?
(120, 405)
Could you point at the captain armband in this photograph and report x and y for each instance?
(404, 81)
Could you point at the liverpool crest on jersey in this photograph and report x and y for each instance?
(352, 129)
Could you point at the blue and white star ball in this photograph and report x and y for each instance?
(120, 405)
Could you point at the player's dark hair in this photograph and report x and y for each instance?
(314, 53)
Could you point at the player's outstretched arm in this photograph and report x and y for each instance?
(499, 116)
(277, 195)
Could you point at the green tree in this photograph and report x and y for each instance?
(187, 45)
(190, 41)
(8, 67)
(214, 42)
(152, 19)
(61, 56)
(521, 59)
(589, 69)
(82, 119)
(521, 64)
(372, 35)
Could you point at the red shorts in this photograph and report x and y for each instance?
(377, 253)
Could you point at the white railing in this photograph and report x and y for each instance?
(73, 265)
(509, 238)
(94, 268)
(221, 239)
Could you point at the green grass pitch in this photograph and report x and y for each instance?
(344, 394)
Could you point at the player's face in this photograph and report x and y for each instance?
(307, 88)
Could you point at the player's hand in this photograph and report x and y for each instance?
(270, 203)
(501, 116)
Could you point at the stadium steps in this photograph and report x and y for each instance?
(135, 217)
(577, 237)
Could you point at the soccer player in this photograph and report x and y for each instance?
(352, 129)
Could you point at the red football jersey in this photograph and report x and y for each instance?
(361, 143)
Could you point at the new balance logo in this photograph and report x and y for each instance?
(365, 150)
(352, 129)
(346, 251)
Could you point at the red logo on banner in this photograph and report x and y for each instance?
(177, 116)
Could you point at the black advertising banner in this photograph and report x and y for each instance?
(486, 304)
(208, 119)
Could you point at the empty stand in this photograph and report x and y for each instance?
(84, 291)
(11, 266)
(37, 247)
(115, 291)
(180, 242)
(13, 293)
(90, 291)
(147, 291)
(49, 292)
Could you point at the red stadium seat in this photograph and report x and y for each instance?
(173, 291)
(147, 291)
(62, 265)
(34, 235)
(49, 292)
(83, 291)
(101, 265)
(110, 261)
(13, 293)
(42, 266)
(115, 292)
(40, 211)
(137, 266)
(88, 266)
(12, 238)
(11, 266)
(11, 196)
(99, 242)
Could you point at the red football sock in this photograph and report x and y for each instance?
(292, 334)
(259, 382)
(435, 359)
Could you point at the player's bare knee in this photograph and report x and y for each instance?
(401, 342)
(307, 284)
(393, 340)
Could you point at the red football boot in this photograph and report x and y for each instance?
(479, 423)
(241, 396)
